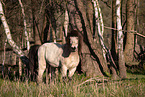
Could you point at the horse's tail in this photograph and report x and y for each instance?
(33, 61)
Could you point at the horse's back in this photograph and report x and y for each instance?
(52, 52)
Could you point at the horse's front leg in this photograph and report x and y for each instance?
(71, 72)
(64, 71)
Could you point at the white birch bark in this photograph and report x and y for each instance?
(100, 18)
(20, 67)
(121, 60)
(25, 26)
(66, 21)
(99, 22)
(4, 57)
(8, 34)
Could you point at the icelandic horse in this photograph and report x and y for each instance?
(65, 56)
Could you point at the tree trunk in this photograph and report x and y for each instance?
(36, 31)
(38, 18)
(89, 64)
(114, 33)
(114, 41)
(66, 23)
(121, 61)
(4, 56)
(8, 34)
(93, 63)
(25, 26)
(129, 46)
(99, 23)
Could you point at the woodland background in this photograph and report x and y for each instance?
(45, 22)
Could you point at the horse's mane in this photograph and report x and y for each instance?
(75, 33)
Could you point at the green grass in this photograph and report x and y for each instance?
(80, 86)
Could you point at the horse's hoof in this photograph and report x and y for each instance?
(64, 79)
(70, 78)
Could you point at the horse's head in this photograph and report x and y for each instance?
(74, 40)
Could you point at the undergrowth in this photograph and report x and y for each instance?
(80, 86)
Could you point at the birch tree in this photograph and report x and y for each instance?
(66, 21)
(122, 68)
(25, 25)
(4, 57)
(99, 23)
(26, 35)
(16, 49)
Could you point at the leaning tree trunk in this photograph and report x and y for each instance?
(93, 63)
(16, 49)
(121, 61)
(129, 46)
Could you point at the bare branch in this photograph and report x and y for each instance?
(97, 79)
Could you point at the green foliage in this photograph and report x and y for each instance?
(134, 86)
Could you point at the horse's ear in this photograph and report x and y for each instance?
(71, 33)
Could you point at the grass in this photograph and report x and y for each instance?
(80, 86)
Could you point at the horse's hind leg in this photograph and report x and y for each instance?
(41, 70)
(41, 65)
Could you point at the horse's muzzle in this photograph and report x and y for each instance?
(73, 49)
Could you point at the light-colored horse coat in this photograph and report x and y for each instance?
(65, 56)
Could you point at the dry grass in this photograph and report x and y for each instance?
(79, 87)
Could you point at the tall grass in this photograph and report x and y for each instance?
(80, 86)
